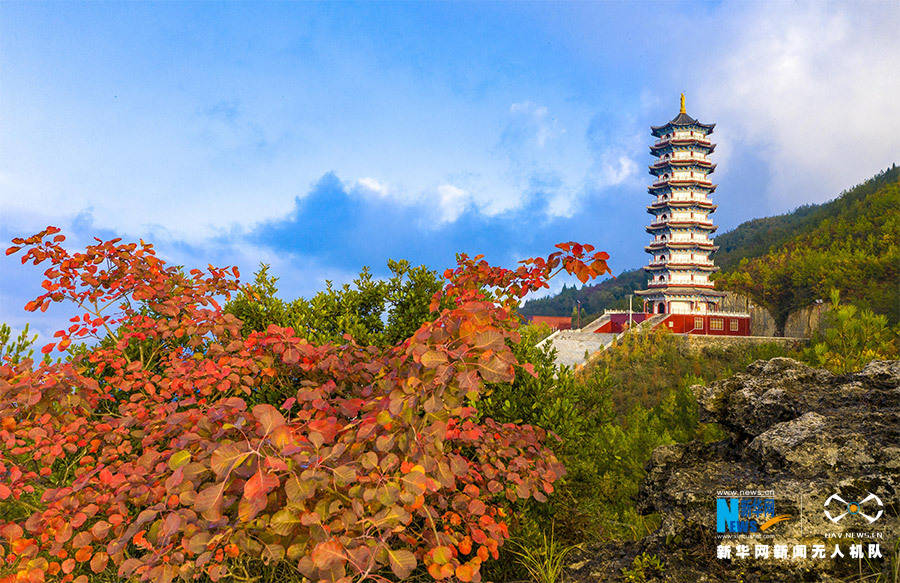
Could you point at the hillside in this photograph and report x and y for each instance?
(610, 293)
(849, 244)
(857, 230)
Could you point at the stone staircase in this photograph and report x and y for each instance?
(575, 347)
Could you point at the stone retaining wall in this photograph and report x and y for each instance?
(698, 341)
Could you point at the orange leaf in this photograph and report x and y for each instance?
(84, 553)
(464, 573)
(98, 562)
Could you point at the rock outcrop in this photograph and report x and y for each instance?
(802, 323)
(803, 434)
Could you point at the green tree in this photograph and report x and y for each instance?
(852, 338)
(372, 311)
(17, 349)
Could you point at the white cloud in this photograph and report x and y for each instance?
(615, 141)
(812, 89)
(613, 167)
(452, 202)
(532, 123)
(373, 186)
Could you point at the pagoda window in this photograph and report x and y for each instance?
(698, 323)
(733, 325)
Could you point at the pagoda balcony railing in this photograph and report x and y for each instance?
(695, 179)
(683, 202)
(664, 161)
(664, 141)
(659, 284)
(677, 264)
(671, 221)
(656, 245)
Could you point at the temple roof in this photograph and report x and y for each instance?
(681, 120)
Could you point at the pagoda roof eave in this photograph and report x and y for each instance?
(672, 290)
(658, 170)
(679, 245)
(680, 267)
(677, 224)
(670, 183)
(682, 120)
(681, 162)
(672, 142)
(706, 205)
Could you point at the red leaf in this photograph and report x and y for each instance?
(260, 484)
(328, 554)
(208, 502)
(529, 368)
(269, 417)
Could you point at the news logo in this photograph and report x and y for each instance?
(746, 513)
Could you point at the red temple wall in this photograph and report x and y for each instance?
(685, 324)
(707, 324)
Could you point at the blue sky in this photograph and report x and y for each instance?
(324, 137)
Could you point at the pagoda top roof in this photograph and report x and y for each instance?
(681, 120)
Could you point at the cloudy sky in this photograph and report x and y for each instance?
(320, 138)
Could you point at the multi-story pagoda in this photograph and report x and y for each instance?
(680, 264)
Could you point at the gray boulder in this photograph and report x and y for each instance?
(820, 442)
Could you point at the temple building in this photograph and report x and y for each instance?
(680, 264)
(680, 295)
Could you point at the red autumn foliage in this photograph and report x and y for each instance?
(146, 453)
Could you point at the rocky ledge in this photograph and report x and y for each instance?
(806, 436)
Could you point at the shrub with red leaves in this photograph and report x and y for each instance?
(144, 454)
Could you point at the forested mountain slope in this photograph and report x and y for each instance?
(787, 261)
(849, 244)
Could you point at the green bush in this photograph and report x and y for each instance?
(851, 338)
(373, 311)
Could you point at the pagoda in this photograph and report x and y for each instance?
(680, 263)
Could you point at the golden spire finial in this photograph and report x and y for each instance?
(682, 103)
